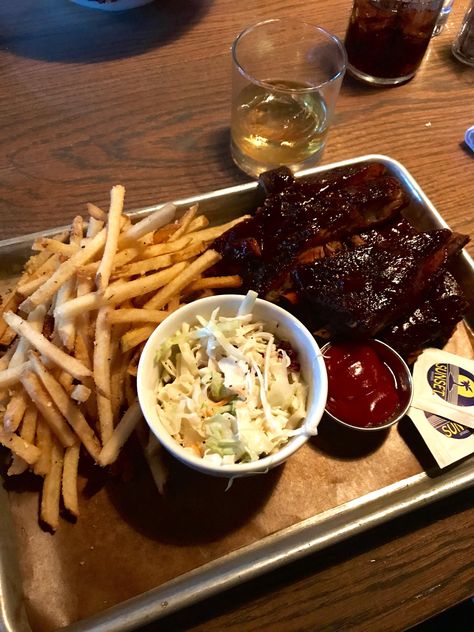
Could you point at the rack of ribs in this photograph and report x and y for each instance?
(336, 250)
(358, 292)
(300, 214)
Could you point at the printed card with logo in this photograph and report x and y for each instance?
(447, 440)
(443, 404)
(444, 385)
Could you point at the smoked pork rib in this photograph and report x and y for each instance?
(301, 214)
(432, 321)
(361, 291)
(397, 228)
(282, 179)
(335, 249)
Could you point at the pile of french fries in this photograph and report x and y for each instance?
(73, 328)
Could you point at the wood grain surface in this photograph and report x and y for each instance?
(384, 580)
(89, 99)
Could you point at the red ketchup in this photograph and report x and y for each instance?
(362, 389)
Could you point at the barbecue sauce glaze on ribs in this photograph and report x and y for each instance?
(297, 215)
(339, 247)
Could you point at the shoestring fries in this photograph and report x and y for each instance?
(72, 330)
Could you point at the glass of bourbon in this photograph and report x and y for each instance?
(386, 40)
(285, 82)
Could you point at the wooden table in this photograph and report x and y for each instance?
(90, 99)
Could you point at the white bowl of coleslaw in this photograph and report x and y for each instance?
(232, 393)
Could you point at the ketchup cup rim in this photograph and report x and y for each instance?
(400, 412)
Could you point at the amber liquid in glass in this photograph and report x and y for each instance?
(285, 126)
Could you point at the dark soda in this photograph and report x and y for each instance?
(386, 39)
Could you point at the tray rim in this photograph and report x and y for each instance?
(281, 548)
(247, 187)
(252, 185)
(275, 550)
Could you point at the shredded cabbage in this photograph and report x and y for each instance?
(226, 391)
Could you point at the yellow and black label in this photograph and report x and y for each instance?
(448, 428)
(452, 383)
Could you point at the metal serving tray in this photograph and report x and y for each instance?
(286, 545)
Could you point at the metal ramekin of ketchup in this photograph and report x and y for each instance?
(369, 384)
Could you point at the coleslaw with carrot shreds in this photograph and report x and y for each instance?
(228, 390)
